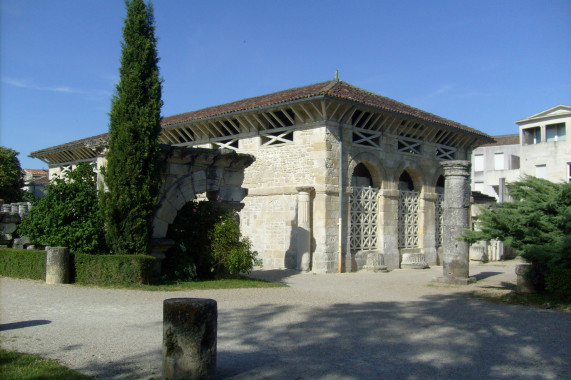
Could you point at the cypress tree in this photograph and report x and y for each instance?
(132, 174)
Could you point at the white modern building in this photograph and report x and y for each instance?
(541, 149)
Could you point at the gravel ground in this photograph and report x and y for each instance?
(394, 325)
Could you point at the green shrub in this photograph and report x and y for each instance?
(68, 216)
(113, 269)
(23, 263)
(536, 225)
(231, 254)
(208, 244)
(558, 282)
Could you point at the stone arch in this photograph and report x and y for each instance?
(192, 171)
(414, 173)
(371, 163)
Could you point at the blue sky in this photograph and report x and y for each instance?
(481, 63)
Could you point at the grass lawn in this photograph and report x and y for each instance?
(541, 301)
(227, 283)
(18, 366)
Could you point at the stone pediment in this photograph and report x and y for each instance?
(553, 112)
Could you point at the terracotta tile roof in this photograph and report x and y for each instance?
(504, 140)
(37, 171)
(95, 140)
(332, 89)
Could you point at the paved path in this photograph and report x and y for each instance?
(342, 326)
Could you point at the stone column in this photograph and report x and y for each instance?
(388, 232)
(57, 265)
(189, 338)
(303, 236)
(456, 219)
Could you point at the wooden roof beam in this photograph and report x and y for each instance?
(248, 122)
(278, 119)
(288, 116)
(217, 129)
(298, 115)
(307, 112)
(262, 124)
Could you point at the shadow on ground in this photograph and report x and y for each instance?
(23, 324)
(442, 336)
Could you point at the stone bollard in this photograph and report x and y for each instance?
(189, 338)
(57, 265)
(523, 284)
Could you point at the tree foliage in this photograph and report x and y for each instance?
(11, 176)
(132, 174)
(537, 225)
(208, 244)
(68, 215)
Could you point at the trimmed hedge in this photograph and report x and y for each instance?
(113, 269)
(23, 263)
(84, 269)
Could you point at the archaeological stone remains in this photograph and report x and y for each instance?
(327, 177)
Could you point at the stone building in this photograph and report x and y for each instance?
(343, 179)
(35, 181)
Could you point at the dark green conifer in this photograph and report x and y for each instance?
(132, 174)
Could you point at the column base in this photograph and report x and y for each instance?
(455, 280)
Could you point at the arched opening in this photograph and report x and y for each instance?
(438, 210)
(408, 218)
(405, 182)
(363, 211)
(361, 176)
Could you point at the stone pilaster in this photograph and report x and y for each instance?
(388, 233)
(303, 237)
(455, 219)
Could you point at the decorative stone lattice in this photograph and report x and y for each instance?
(408, 219)
(364, 213)
(438, 211)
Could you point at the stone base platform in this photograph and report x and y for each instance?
(455, 280)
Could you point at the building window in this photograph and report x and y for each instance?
(514, 164)
(569, 171)
(499, 161)
(541, 171)
(532, 135)
(479, 163)
(555, 132)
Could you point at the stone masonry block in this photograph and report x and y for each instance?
(160, 228)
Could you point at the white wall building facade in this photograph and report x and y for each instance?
(541, 149)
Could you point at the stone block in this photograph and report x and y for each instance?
(57, 265)
(523, 283)
(178, 169)
(166, 212)
(189, 338)
(7, 228)
(160, 228)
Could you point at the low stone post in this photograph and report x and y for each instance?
(57, 265)
(456, 219)
(189, 338)
(523, 284)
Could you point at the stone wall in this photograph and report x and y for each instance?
(11, 215)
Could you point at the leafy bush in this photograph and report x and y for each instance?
(11, 176)
(558, 282)
(537, 225)
(113, 269)
(208, 244)
(23, 263)
(68, 216)
(231, 254)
